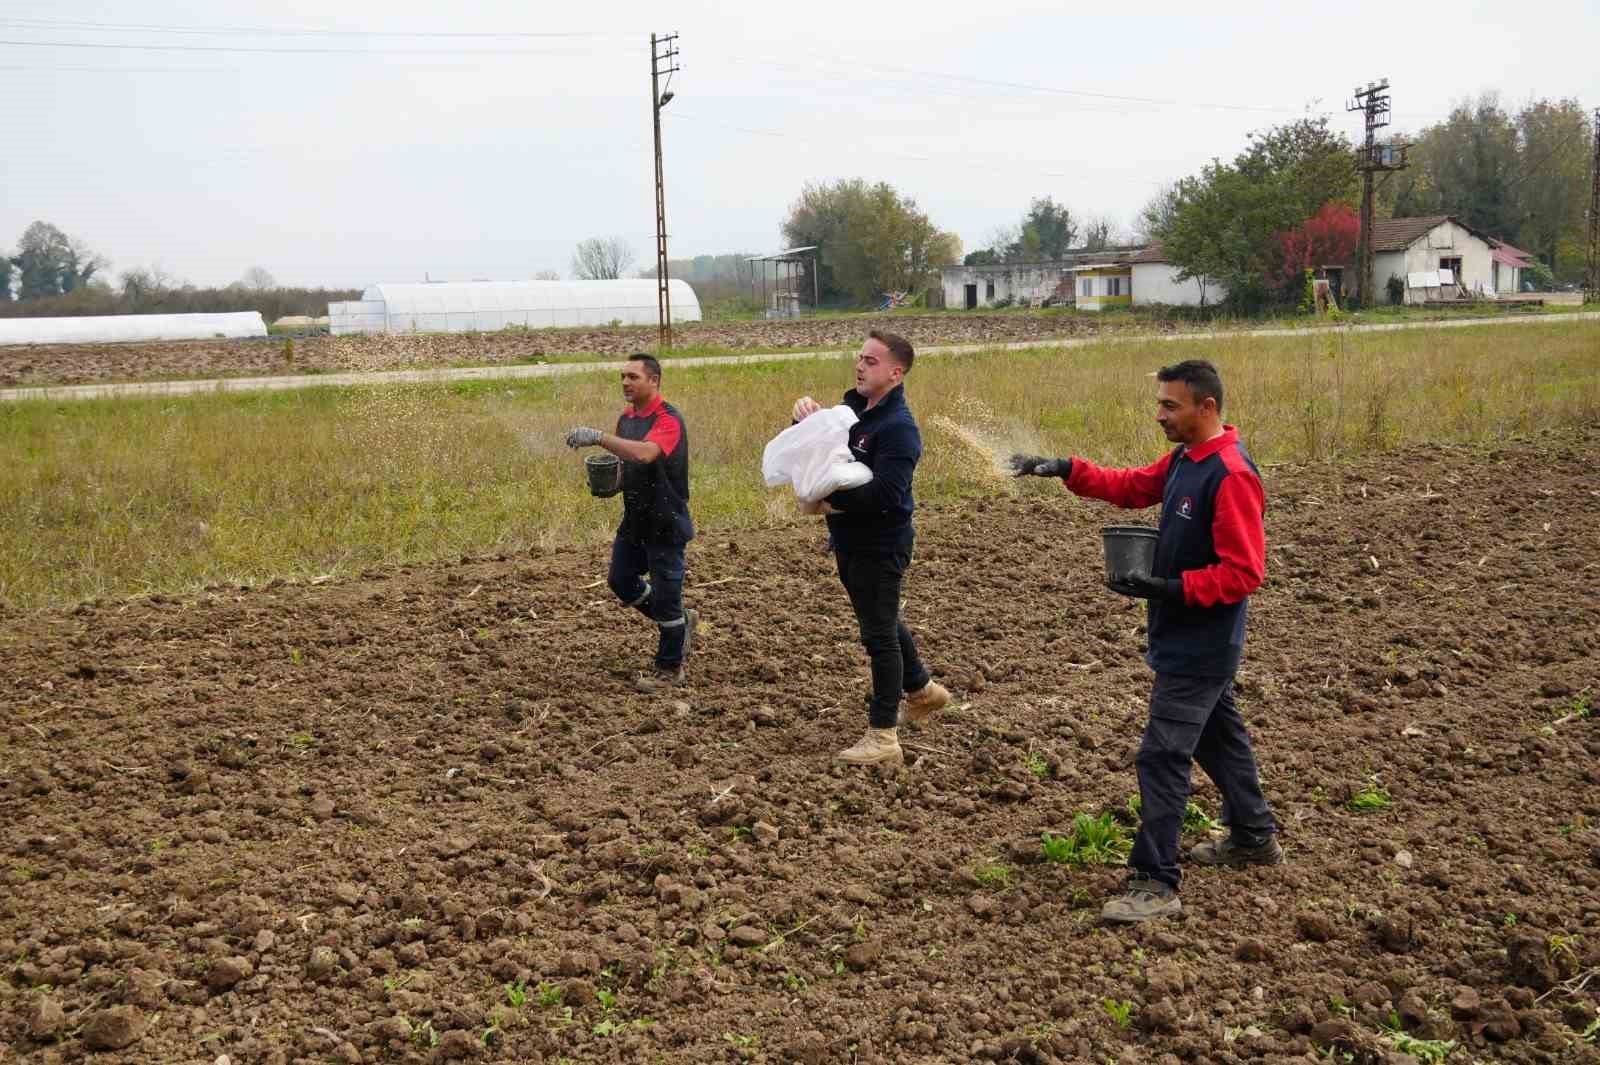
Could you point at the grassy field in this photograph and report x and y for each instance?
(109, 498)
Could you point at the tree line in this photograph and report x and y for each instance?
(52, 275)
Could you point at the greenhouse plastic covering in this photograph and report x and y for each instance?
(112, 328)
(486, 306)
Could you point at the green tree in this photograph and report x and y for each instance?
(5, 277)
(1221, 225)
(50, 263)
(870, 239)
(1552, 181)
(1464, 166)
(1048, 230)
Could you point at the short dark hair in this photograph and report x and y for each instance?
(898, 346)
(652, 366)
(1201, 377)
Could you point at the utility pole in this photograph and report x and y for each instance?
(1373, 102)
(663, 56)
(1591, 283)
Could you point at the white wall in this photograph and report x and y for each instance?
(1158, 283)
(1018, 283)
(1444, 241)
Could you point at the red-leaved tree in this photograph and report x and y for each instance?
(1327, 238)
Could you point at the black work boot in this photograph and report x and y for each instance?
(1228, 851)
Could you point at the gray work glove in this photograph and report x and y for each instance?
(583, 437)
(1038, 466)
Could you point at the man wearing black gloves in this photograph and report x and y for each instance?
(870, 531)
(653, 444)
(1210, 555)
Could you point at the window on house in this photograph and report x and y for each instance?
(1086, 287)
(1453, 264)
(988, 290)
(1113, 286)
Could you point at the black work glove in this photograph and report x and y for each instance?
(1159, 589)
(1039, 466)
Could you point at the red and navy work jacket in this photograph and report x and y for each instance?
(655, 495)
(1211, 547)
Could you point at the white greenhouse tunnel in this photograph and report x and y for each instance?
(115, 328)
(487, 306)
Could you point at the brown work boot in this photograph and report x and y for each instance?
(922, 703)
(656, 681)
(1146, 898)
(1227, 852)
(880, 746)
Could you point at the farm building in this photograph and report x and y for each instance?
(971, 287)
(1155, 280)
(1102, 285)
(119, 328)
(1434, 257)
(485, 306)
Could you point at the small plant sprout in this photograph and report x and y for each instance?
(517, 995)
(992, 874)
(1195, 818)
(1120, 1011)
(1426, 1051)
(1037, 764)
(608, 1000)
(743, 1042)
(1371, 798)
(549, 994)
(1092, 841)
(1509, 920)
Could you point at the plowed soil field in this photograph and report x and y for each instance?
(421, 816)
(48, 364)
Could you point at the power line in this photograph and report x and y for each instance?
(283, 31)
(284, 51)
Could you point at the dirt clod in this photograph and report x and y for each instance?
(114, 1028)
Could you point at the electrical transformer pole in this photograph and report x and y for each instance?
(663, 51)
(1373, 102)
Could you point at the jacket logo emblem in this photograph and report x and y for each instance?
(1186, 507)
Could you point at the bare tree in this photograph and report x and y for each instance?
(599, 259)
(1156, 215)
(258, 278)
(547, 275)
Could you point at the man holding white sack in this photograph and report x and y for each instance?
(869, 529)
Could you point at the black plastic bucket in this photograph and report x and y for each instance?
(605, 474)
(1130, 551)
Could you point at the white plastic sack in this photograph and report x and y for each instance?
(814, 456)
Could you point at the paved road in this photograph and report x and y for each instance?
(498, 373)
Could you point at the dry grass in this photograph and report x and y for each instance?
(122, 497)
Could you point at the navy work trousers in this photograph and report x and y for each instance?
(659, 598)
(1194, 719)
(873, 579)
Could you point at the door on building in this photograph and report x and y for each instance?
(972, 297)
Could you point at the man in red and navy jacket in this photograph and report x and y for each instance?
(1210, 555)
(653, 444)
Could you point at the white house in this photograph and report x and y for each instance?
(1155, 280)
(1437, 256)
(971, 287)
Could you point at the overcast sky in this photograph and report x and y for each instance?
(324, 142)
